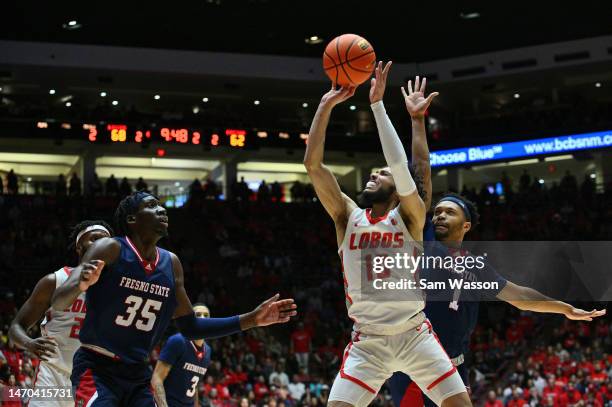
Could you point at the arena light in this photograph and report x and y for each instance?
(103, 94)
(313, 39)
(304, 136)
(157, 97)
(283, 135)
(593, 176)
(559, 157)
(205, 100)
(517, 95)
(196, 109)
(72, 25)
(66, 126)
(262, 134)
(0, 88)
(304, 105)
(68, 104)
(598, 84)
(469, 15)
(115, 102)
(42, 125)
(51, 91)
(540, 181)
(256, 102)
(353, 107)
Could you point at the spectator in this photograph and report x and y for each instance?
(112, 186)
(12, 185)
(492, 400)
(301, 345)
(263, 193)
(75, 185)
(141, 185)
(278, 377)
(297, 192)
(60, 185)
(125, 188)
(95, 186)
(276, 192)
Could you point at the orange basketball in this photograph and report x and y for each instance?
(349, 60)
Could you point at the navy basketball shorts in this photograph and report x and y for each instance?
(100, 381)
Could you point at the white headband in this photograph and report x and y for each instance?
(89, 229)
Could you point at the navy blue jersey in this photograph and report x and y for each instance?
(131, 305)
(454, 313)
(189, 364)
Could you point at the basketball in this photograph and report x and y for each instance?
(349, 60)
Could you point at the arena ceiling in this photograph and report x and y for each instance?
(400, 30)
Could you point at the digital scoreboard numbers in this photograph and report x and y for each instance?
(122, 133)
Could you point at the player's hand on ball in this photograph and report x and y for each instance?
(578, 314)
(379, 82)
(416, 102)
(43, 347)
(273, 311)
(335, 96)
(90, 273)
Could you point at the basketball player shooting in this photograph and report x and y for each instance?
(452, 313)
(388, 336)
(131, 303)
(60, 329)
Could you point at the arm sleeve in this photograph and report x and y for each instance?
(204, 328)
(172, 350)
(393, 151)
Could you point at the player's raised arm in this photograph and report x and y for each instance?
(528, 299)
(416, 105)
(337, 204)
(103, 251)
(271, 311)
(31, 312)
(412, 207)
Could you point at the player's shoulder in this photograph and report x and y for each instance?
(176, 340)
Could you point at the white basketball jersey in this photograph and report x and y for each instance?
(379, 311)
(64, 326)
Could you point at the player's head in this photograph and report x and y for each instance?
(201, 310)
(454, 216)
(86, 233)
(380, 188)
(141, 213)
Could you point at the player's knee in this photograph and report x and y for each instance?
(336, 403)
(457, 400)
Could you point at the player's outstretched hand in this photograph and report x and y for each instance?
(578, 314)
(43, 347)
(272, 311)
(90, 273)
(335, 96)
(416, 102)
(379, 82)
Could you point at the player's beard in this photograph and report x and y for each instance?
(368, 198)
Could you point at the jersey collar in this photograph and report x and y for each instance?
(148, 266)
(199, 353)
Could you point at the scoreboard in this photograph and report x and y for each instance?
(122, 133)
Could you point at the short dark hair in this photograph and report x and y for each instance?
(78, 228)
(471, 207)
(128, 206)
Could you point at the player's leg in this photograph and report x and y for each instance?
(362, 373)
(92, 386)
(404, 392)
(141, 396)
(50, 378)
(425, 361)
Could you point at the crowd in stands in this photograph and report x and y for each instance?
(229, 248)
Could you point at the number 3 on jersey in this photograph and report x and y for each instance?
(147, 317)
(194, 385)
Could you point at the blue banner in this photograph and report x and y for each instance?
(526, 148)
